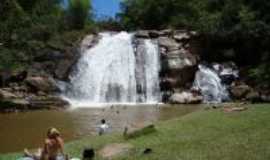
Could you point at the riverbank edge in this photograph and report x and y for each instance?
(205, 134)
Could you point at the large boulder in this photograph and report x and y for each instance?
(185, 98)
(168, 43)
(154, 34)
(240, 91)
(179, 67)
(179, 59)
(44, 84)
(181, 35)
(5, 94)
(142, 34)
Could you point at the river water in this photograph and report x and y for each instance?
(27, 130)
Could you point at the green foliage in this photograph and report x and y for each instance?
(261, 74)
(79, 12)
(29, 26)
(207, 16)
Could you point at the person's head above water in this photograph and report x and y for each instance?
(53, 133)
(103, 121)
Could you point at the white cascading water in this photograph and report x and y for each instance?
(106, 73)
(210, 85)
(147, 72)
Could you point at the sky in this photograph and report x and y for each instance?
(105, 8)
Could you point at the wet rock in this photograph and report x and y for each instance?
(185, 98)
(166, 32)
(168, 83)
(17, 77)
(4, 95)
(181, 35)
(168, 43)
(7, 77)
(44, 84)
(50, 102)
(142, 34)
(63, 69)
(179, 61)
(13, 105)
(240, 91)
(88, 42)
(154, 34)
(112, 151)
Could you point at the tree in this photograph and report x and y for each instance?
(79, 13)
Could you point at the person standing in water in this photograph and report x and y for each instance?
(103, 128)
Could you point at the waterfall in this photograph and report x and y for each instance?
(208, 82)
(107, 73)
(147, 72)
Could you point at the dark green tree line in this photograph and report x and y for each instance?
(28, 26)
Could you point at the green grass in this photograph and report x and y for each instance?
(202, 135)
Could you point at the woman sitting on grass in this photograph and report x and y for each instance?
(53, 147)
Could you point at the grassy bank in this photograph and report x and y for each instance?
(202, 135)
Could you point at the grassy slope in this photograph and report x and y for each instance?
(202, 135)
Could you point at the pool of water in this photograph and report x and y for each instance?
(27, 130)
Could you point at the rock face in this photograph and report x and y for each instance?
(185, 98)
(179, 56)
(56, 64)
(49, 102)
(142, 34)
(31, 94)
(4, 94)
(44, 84)
(240, 91)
